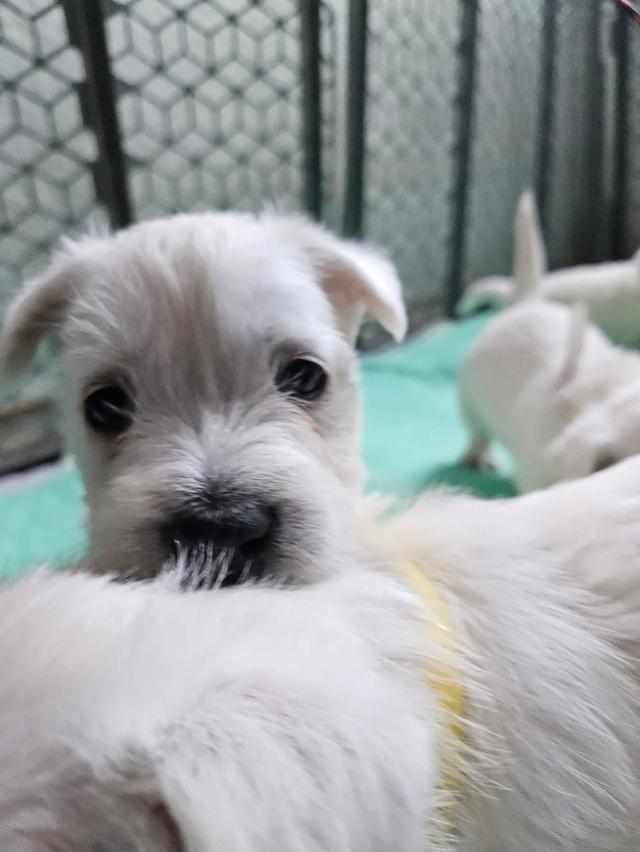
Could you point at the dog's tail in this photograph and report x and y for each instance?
(529, 265)
(529, 256)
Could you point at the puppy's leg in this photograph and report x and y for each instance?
(478, 454)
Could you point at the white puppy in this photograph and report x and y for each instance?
(611, 292)
(135, 719)
(547, 384)
(210, 387)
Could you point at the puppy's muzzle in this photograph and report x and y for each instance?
(222, 543)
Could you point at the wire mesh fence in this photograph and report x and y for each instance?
(209, 101)
(577, 156)
(504, 147)
(409, 140)
(47, 153)
(415, 124)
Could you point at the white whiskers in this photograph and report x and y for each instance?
(201, 566)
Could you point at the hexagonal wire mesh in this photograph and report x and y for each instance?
(209, 100)
(46, 152)
(506, 111)
(410, 138)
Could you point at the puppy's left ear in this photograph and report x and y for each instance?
(357, 279)
(37, 309)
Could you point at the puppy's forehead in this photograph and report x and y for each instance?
(224, 273)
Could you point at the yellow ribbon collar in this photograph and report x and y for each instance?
(443, 674)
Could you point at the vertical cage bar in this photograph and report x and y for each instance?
(621, 41)
(311, 105)
(355, 142)
(87, 29)
(464, 109)
(592, 243)
(544, 152)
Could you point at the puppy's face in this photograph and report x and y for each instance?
(208, 381)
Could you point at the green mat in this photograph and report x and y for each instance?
(413, 435)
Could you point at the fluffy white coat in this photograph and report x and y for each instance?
(299, 718)
(257, 719)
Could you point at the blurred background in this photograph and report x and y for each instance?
(411, 123)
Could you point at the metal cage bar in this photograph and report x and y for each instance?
(355, 142)
(592, 246)
(86, 25)
(464, 110)
(544, 152)
(621, 133)
(311, 68)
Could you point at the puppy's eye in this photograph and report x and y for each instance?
(109, 410)
(303, 379)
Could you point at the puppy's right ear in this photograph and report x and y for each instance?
(357, 279)
(36, 310)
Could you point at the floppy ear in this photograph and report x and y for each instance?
(357, 279)
(36, 310)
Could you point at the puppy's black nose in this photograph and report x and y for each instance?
(245, 524)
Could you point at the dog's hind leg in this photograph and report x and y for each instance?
(478, 454)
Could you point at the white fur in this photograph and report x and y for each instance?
(610, 290)
(257, 719)
(249, 719)
(547, 384)
(302, 717)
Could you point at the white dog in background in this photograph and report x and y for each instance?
(547, 384)
(256, 719)
(610, 291)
